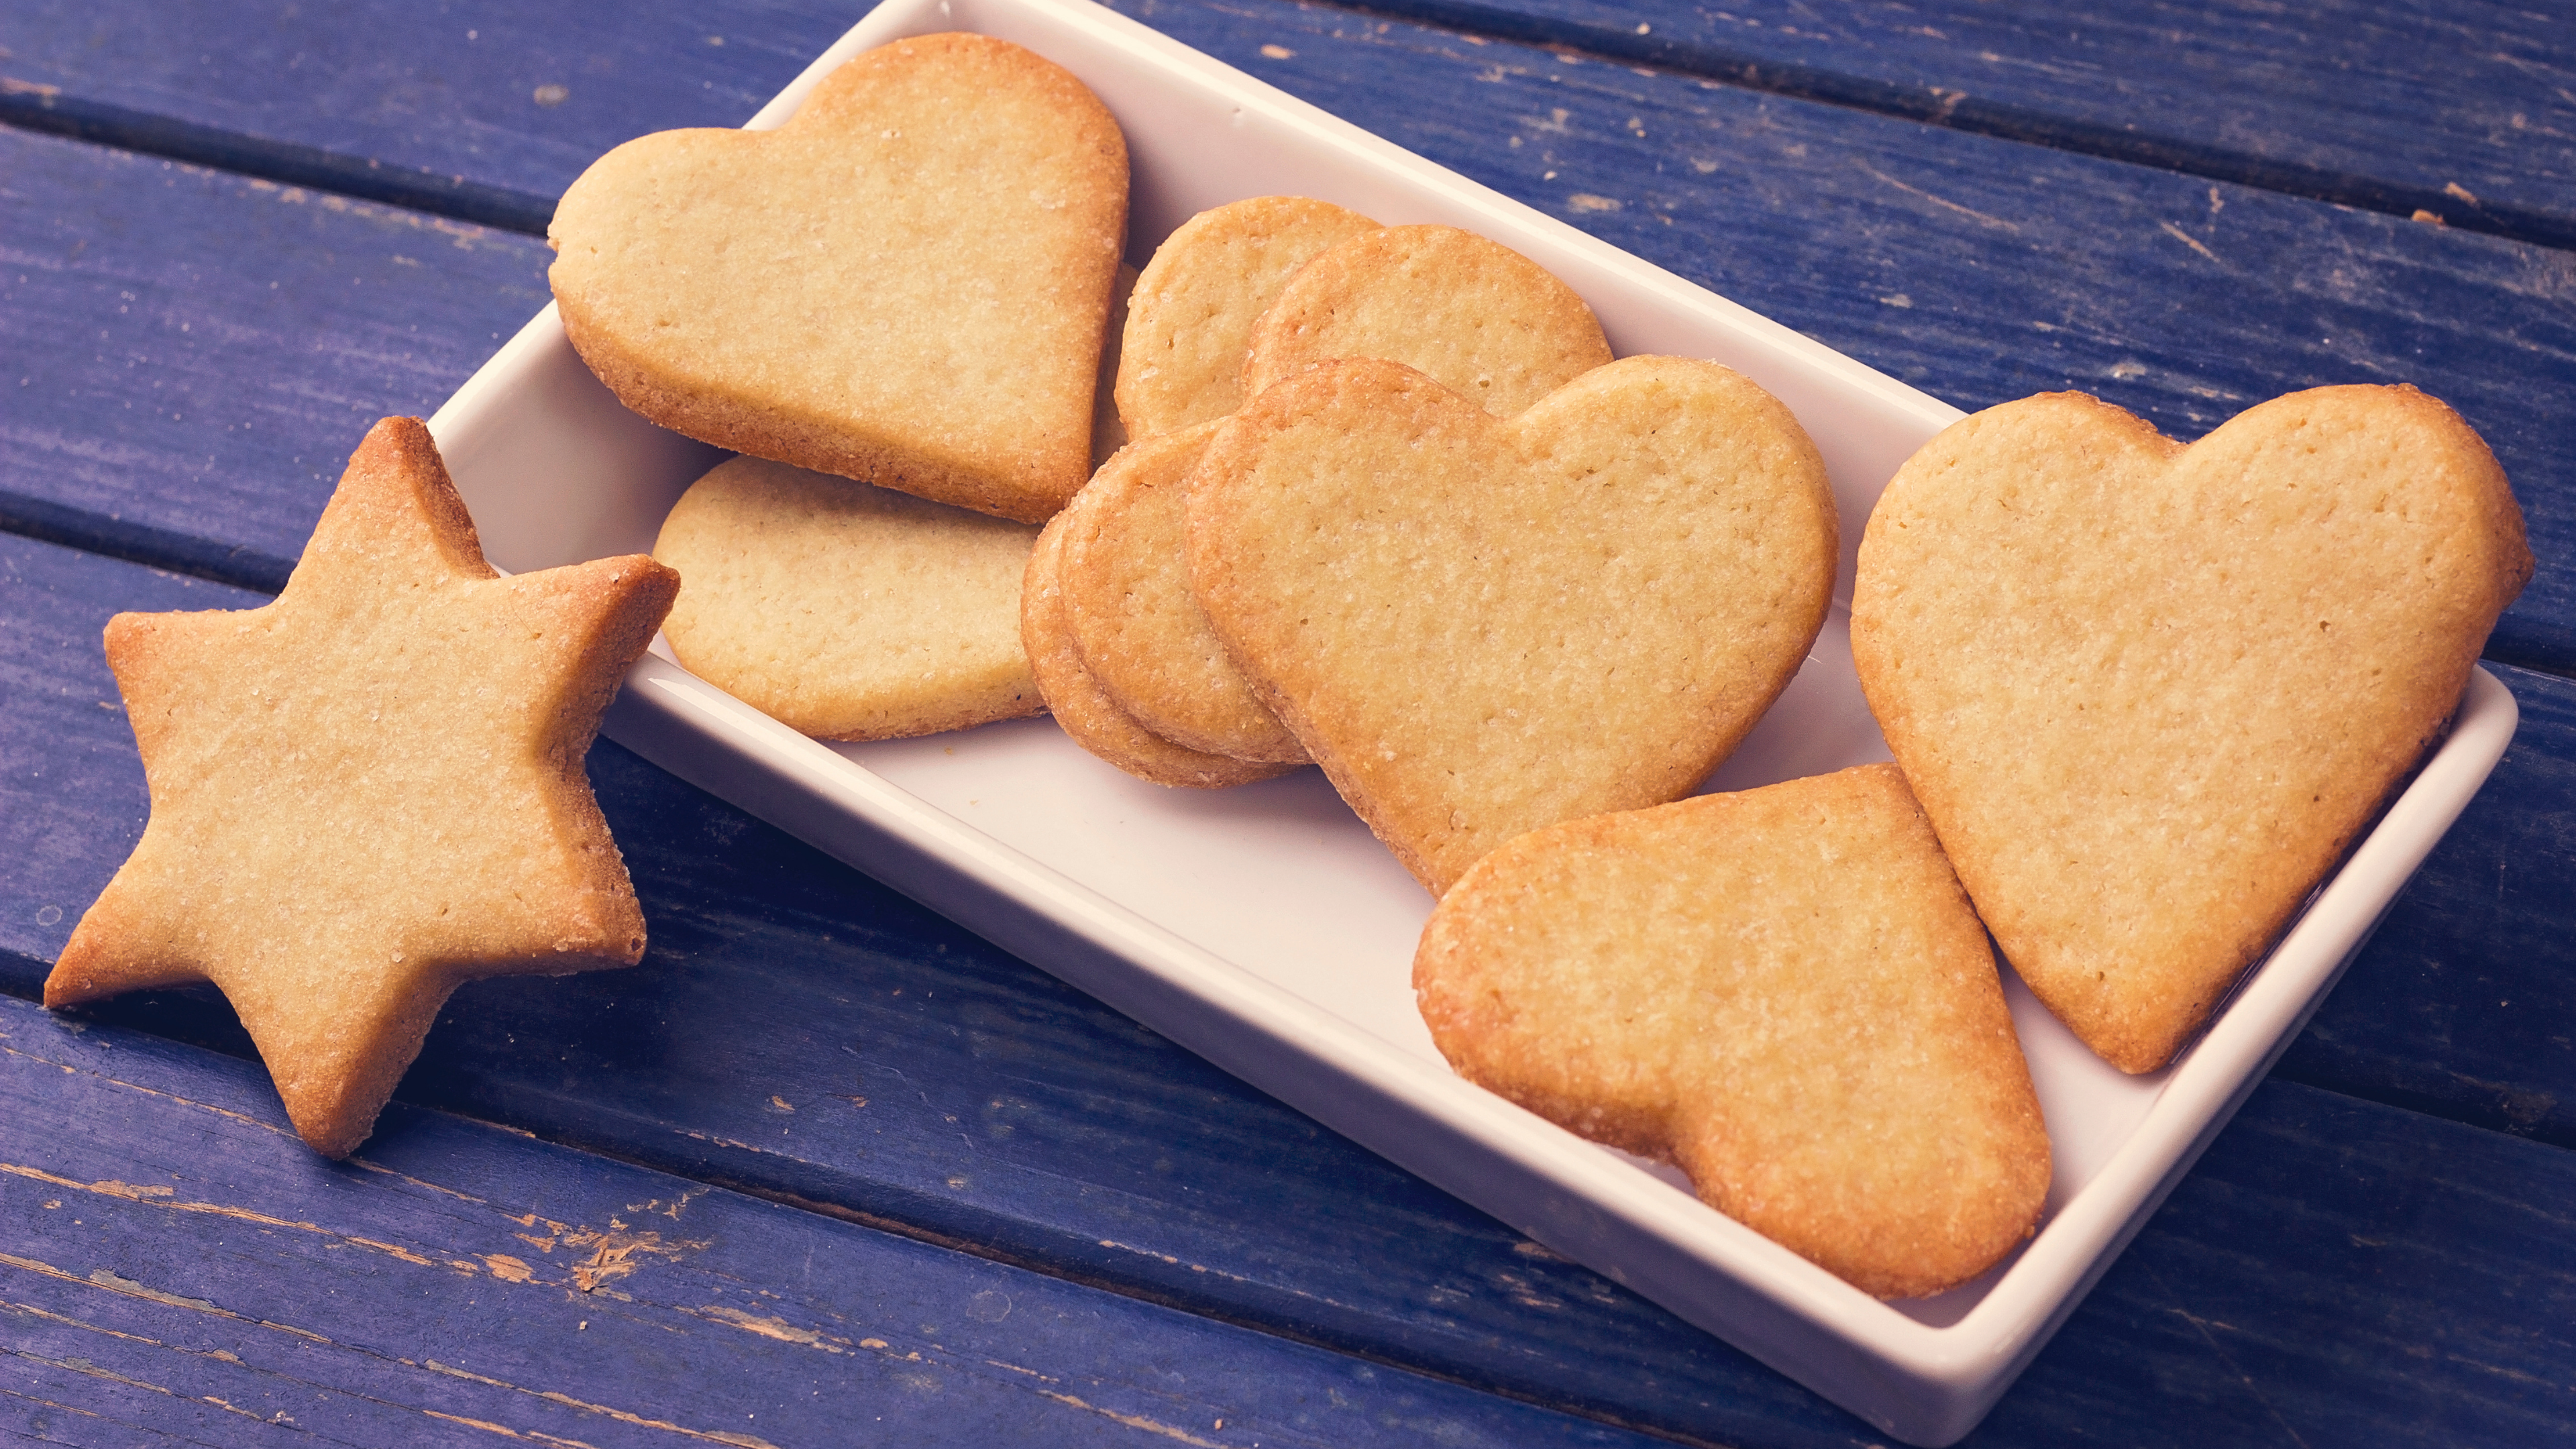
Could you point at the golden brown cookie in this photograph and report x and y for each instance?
(370, 791)
(907, 283)
(1194, 306)
(1484, 320)
(1127, 593)
(1781, 992)
(1480, 626)
(2149, 694)
(1090, 716)
(1108, 434)
(845, 611)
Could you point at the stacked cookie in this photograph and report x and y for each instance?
(894, 306)
(1389, 507)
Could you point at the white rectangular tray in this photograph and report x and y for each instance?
(1266, 930)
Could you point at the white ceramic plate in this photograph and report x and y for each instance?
(1265, 929)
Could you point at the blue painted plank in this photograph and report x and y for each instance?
(468, 107)
(2335, 100)
(2343, 1273)
(178, 1261)
(799, 1032)
(2464, 1003)
(2331, 100)
(192, 356)
(1979, 269)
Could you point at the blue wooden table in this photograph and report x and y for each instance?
(826, 1169)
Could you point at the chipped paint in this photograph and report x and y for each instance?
(108, 1278)
(507, 1268)
(406, 1254)
(382, 1171)
(613, 1254)
(777, 1328)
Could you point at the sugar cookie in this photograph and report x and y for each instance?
(1479, 626)
(907, 283)
(2149, 694)
(846, 611)
(1783, 993)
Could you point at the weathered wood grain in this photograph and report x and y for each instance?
(2324, 1257)
(175, 1261)
(477, 110)
(800, 1032)
(2342, 101)
(1979, 269)
(2334, 100)
(2474, 968)
(2335, 1272)
(192, 356)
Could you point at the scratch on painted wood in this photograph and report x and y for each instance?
(613, 1254)
(2202, 1326)
(2187, 239)
(128, 1288)
(785, 1332)
(162, 1197)
(712, 1436)
(1970, 212)
(777, 1328)
(241, 1117)
(2516, 1375)
(383, 1171)
(1134, 1421)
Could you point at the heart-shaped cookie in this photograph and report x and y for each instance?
(1087, 713)
(907, 283)
(1479, 626)
(1781, 992)
(2149, 694)
(1126, 596)
(1483, 319)
(1191, 315)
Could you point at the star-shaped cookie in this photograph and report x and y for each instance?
(370, 791)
